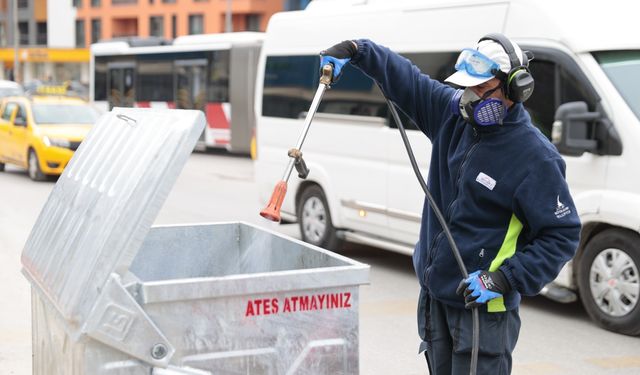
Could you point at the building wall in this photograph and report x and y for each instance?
(213, 12)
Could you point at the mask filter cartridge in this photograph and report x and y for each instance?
(477, 110)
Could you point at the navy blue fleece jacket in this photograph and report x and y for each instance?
(501, 188)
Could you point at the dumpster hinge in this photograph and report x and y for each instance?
(118, 321)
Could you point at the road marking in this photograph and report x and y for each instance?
(616, 362)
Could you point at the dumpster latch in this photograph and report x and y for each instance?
(118, 321)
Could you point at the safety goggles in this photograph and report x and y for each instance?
(476, 64)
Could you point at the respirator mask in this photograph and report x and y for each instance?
(476, 110)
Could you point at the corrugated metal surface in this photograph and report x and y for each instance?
(103, 205)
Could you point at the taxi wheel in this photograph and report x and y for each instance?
(35, 173)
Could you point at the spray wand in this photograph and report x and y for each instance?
(272, 210)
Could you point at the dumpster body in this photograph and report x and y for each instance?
(111, 295)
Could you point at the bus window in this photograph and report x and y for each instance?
(218, 77)
(155, 81)
(289, 85)
(190, 79)
(121, 86)
(100, 79)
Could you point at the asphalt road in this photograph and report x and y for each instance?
(555, 338)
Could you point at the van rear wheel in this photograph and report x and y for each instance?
(1, 167)
(609, 280)
(314, 219)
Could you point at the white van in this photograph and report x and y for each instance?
(361, 187)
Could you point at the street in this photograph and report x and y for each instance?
(554, 339)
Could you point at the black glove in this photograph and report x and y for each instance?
(481, 287)
(338, 55)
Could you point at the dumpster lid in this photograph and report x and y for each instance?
(102, 207)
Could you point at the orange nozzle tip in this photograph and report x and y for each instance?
(270, 215)
(272, 211)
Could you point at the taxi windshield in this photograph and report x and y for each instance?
(60, 114)
(623, 69)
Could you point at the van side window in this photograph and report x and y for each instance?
(554, 86)
(354, 94)
(289, 85)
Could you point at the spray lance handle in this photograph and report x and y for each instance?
(272, 210)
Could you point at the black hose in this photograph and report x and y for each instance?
(454, 248)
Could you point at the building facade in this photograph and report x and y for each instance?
(107, 19)
(46, 44)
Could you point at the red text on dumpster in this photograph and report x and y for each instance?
(269, 306)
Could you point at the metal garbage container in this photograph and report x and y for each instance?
(111, 295)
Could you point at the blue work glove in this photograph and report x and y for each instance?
(481, 287)
(337, 56)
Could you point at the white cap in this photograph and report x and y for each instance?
(495, 52)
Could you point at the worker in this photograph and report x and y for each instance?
(501, 185)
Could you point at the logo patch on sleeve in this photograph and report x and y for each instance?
(486, 181)
(562, 210)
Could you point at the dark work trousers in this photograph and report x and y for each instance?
(447, 335)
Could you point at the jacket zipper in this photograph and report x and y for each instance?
(458, 177)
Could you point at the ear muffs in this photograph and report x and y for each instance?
(518, 83)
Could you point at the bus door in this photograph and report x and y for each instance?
(191, 85)
(121, 84)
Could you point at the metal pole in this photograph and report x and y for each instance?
(229, 23)
(16, 42)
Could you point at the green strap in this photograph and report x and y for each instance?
(506, 251)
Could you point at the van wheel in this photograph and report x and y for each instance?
(35, 173)
(1, 167)
(314, 218)
(609, 280)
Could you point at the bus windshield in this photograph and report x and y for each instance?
(623, 69)
(62, 114)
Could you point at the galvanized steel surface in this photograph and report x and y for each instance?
(100, 210)
(231, 298)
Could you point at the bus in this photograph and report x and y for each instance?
(214, 73)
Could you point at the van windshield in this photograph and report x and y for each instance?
(623, 69)
(60, 114)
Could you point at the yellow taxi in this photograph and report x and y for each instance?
(41, 132)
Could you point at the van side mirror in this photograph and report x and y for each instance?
(576, 131)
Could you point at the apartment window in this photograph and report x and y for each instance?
(41, 33)
(95, 3)
(121, 2)
(22, 4)
(80, 40)
(196, 24)
(23, 28)
(96, 30)
(253, 22)
(168, 1)
(174, 26)
(156, 26)
(77, 3)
